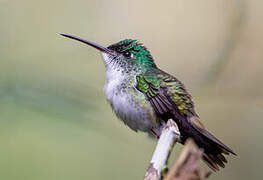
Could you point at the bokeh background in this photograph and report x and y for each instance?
(55, 123)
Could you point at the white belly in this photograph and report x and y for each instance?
(129, 104)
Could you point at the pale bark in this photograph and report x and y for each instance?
(186, 167)
(169, 136)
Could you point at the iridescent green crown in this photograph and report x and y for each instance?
(140, 52)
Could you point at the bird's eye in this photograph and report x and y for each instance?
(127, 54)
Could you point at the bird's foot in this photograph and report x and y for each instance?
(156, 133)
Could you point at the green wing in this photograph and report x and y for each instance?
(169, 97)
(165, 93)
(171, 100)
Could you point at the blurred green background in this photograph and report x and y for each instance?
(55, 123)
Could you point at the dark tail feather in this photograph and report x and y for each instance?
(213, 155)
(208, 135)
(213, 161)
(210, 163)
(222, 158)
(213, 148)
(217, 160)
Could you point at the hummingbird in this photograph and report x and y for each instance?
(144, 97)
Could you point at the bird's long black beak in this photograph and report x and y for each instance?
(92, 44)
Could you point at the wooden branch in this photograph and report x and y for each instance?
(187, 166)
(170, 135)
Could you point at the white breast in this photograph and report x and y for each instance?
(128, 104)
(125, 105)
